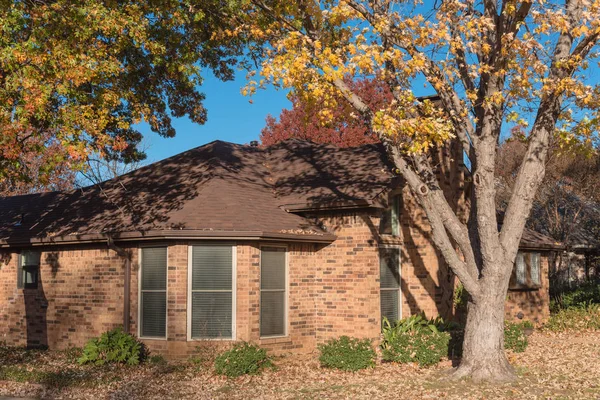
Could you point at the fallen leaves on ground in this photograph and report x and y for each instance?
(553, 366)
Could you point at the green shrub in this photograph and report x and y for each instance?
(348, 354)
(514, 336)
(579, 297)
(114, 346)
(582, 318)
(242, 359)
(415, 339)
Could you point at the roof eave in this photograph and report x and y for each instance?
(541, 246)
(330, 206)
(169, 235)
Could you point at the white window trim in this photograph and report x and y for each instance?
(139, 319)
(392, 246)
(233, 293)
(287, 292)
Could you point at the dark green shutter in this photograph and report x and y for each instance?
(212, 292)
(153, 296)
(389, 275)
(273, 291)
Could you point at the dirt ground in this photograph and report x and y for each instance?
(554, 366)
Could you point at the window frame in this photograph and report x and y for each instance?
(286, 293)
(21, 284)
(233, 247)
(399, 289)
(139, 278)
(528, 285)
(394, 206)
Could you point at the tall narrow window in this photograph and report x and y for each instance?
(211, 297)
(153, 293)
(28, 270)
(526, 273)
(390, 221)
(272, 291)
(389, 275)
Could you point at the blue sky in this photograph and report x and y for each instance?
(231, 118)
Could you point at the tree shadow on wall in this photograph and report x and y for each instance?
(36, 309)
(442, 293)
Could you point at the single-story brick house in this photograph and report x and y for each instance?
(286, 246)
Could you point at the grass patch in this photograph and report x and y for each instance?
(583, 318)
(59, 379)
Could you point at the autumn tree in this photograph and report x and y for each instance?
(345, 128)
(494, 65)
(76, 76)
(39, 179)
(569, 191)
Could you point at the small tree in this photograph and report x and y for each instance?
(344, 127)
(494, 64)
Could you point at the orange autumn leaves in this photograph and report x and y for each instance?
(81, 75)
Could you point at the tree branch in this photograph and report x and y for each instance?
(439, 212)
(532, 168)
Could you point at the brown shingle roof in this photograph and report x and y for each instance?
(217, 190)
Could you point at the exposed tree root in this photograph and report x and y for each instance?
(492, 371)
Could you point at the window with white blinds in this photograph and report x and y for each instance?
(273, 282)
(211, 297)
(153, 292)
(389, 282)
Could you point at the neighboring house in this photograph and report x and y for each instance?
(286, 246)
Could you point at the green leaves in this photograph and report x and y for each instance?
(415, 339)
(348, 354)
(242, 359)
(83, 73)
(114, 346)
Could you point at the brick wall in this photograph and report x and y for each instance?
(333, 290)
(347, 279)
(347, 285)
(79, 296)
(533, 305)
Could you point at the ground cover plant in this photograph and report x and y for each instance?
(348, 354)
(243, 359)
(114, 346)
(415, 339)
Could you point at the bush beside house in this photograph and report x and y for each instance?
(348, 354)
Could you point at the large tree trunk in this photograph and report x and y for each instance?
(483, 356)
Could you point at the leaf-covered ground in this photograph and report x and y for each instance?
(554, 366)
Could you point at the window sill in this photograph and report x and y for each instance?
(524, 289)
(275, 339)
(153, 338)
(211, 339)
